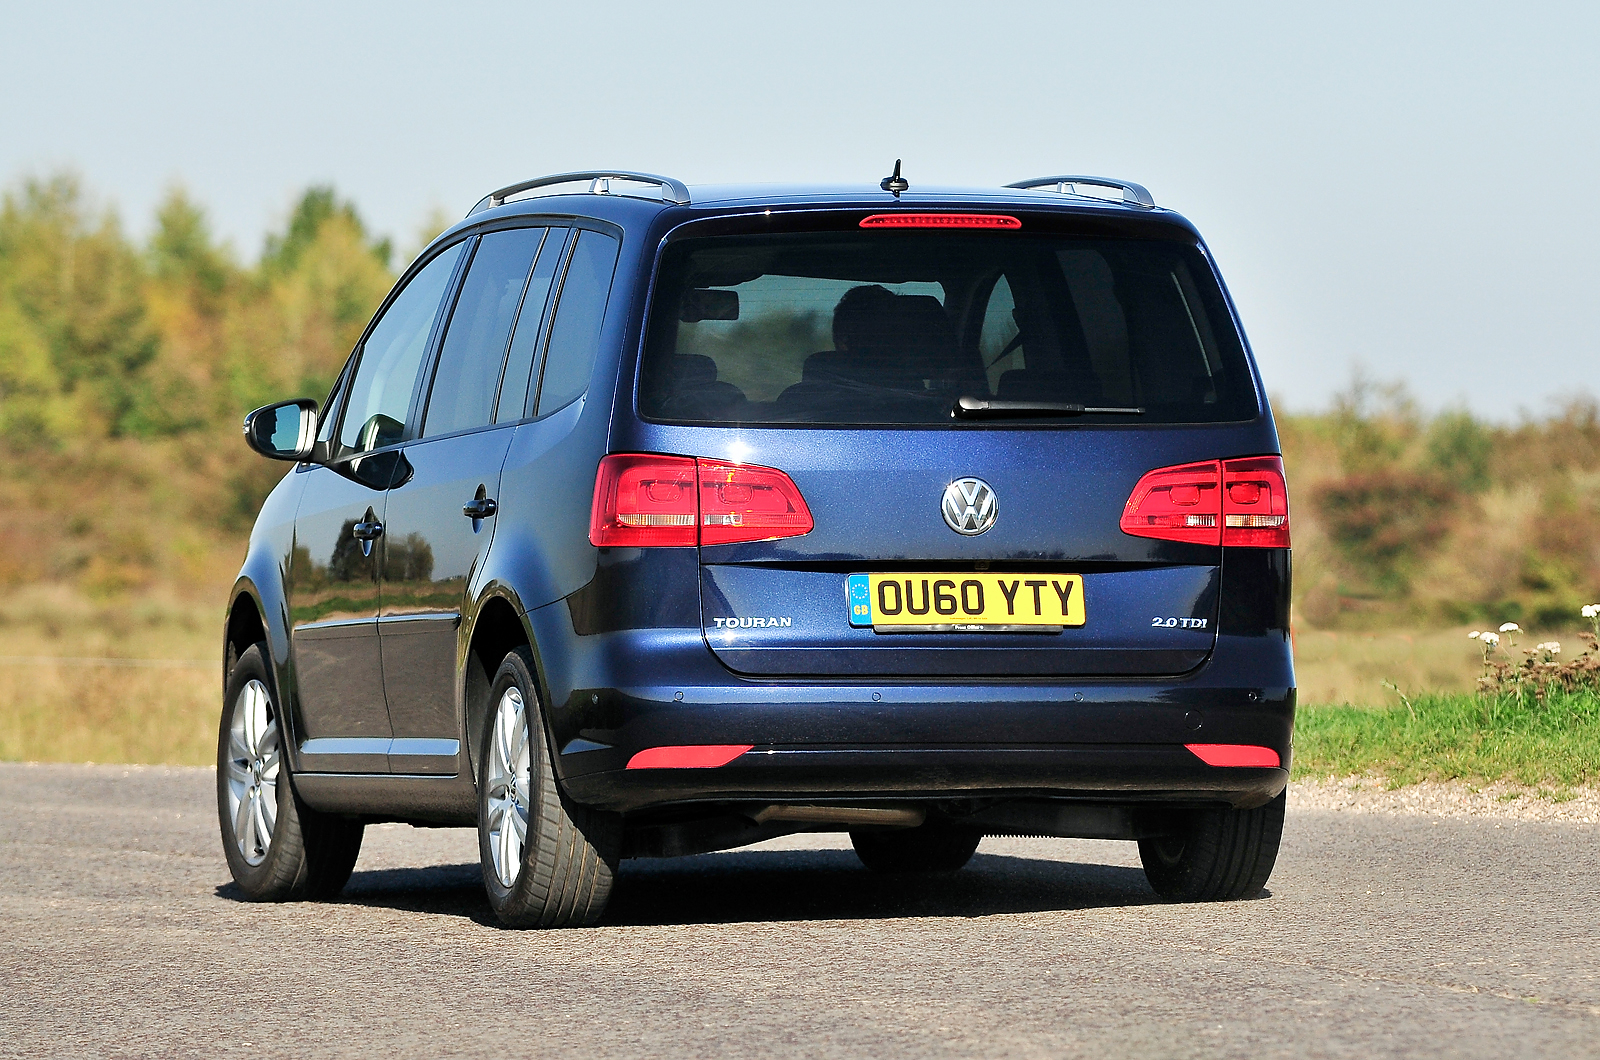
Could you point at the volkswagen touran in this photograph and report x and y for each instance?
(649, 520)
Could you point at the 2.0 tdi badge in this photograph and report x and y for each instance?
(969, 506)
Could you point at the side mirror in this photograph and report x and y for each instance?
(285, 431)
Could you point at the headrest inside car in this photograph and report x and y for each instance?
(705, 303)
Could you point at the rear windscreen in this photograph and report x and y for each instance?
(877, 327)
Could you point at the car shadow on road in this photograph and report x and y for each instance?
(832, 885)
(780, 885)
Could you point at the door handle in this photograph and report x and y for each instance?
(367, 531)
(479, 508)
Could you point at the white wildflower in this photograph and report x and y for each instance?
(1591, 610)
(1489, 638)
(1551, 646)
(1474, 635)
(1510, 627)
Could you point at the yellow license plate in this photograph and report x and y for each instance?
(979, 601)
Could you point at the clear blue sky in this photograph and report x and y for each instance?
(1407, 186)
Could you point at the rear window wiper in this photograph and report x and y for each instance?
(968, 407)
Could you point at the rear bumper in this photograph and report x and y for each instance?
(611, 695)
(1135, 773)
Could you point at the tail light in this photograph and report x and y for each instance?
(741, 502)
(644, 500)
(1255, 503)
(647, 501)
(1242, 502)
(1177, 504)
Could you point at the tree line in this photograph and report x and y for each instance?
(125, 368)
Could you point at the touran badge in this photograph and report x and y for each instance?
(969, 506)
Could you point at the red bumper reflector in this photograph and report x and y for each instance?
(1235, 754)
(940, 220)
(694, 756)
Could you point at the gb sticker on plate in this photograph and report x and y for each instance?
(858, 593)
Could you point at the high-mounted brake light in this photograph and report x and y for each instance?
(1242, 502)
(647, 501)
(940, 220)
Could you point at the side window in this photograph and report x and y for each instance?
(380, 394)
(330, 408)
(1000, 343)
(1104, 322)
(575, 333)
(530, 325)
(474, 348)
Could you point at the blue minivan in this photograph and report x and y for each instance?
(650, 520)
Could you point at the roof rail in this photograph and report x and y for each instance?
(673, 191)
(1131, 192)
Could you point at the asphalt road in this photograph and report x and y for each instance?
(120, 934)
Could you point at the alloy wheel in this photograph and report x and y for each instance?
(509, 780)
(252, 772)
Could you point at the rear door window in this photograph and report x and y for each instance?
(468, 374)
(530, 330)
(873, 327)
(575, 332)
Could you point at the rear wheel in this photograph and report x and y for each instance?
(546, 863)
(278, 849)
(1215, 855)
(932, 847)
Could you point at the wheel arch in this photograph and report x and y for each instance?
(497, 630)
(244, 628)
(251, 620)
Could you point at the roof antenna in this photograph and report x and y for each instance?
(895, 182)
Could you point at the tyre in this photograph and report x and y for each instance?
(1216, 855)
(932, 847)
(278, 849)
(546, 862)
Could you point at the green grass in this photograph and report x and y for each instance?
(1455, 736)
(76, 709)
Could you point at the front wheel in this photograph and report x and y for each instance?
(546, 863)
(1215, 855)
(278, 849)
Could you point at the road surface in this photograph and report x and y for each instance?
(121, 934)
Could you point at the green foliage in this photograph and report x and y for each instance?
(1383, 521)
(182, 252)
(125, 370)
(317, 208)
(1405, 519)
(1371, 425)
(1456, 737)
(1459, 448)
(73, 312)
